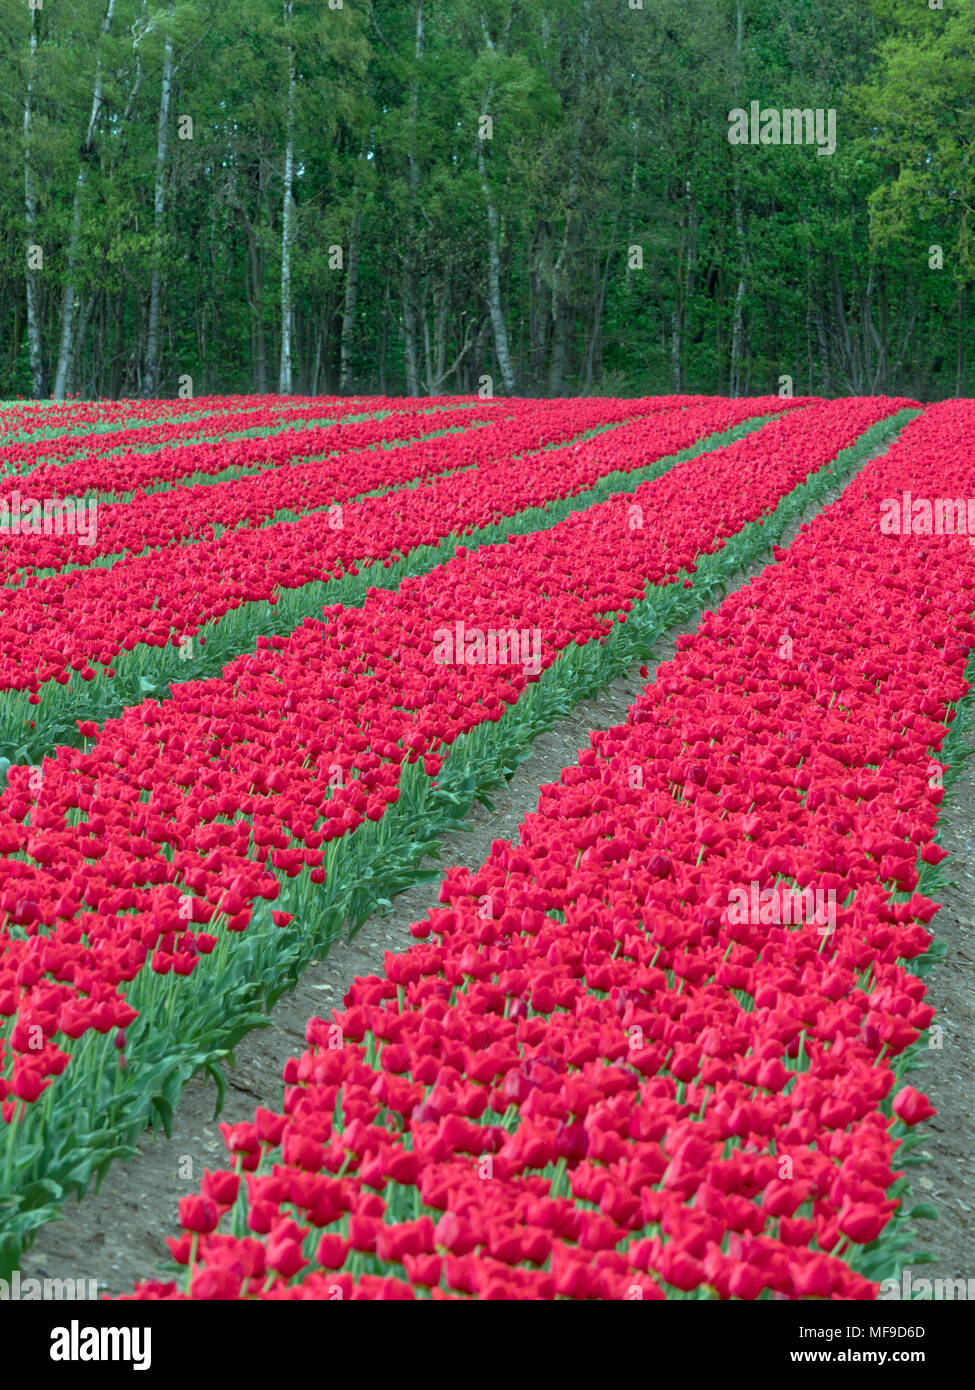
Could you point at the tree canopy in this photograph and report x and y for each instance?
(419, 195)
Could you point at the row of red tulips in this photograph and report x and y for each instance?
(181, 811)
(72, 417)
(160, 519)
(591, 1077)
(31, 418)
(21, 455)
(99, 1106)
(140, 601)
(129, 471)
(76, 465)
(24, 416)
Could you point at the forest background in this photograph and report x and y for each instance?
(531, 197)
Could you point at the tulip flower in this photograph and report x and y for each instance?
(592, 1033)
(912, 1106)
(198, 1214)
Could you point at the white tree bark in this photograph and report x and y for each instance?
(159, 212)
(69, 302)
(408, 292)
(495, 312)
(494, 281)
(736, 374)
(30, 202)
(348, 312)
(287, 219)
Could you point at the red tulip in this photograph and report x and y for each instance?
(912, 1106)
(198, 1214)
(862, 1223)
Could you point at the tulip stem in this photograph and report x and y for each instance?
(194, 1242)
(11, 1136)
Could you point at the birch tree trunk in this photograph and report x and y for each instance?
(411, 354)
(84, 321)
(560, 299)
(317, 366)
(540, 262)
(823, 342)
(348, 312)
(287, 218)
(960, 365)
(69, 302)
(737, 340)
(408, 285)
(255, 279)
(159, 212)
(595, 340)
(30, 203)
(631, 210)
(384, 341)
(686, 258)
(738, 322)
(494, 281)
(501, 349)
(562, 309)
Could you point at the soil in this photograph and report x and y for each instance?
(947, 1182)
(117, 1235)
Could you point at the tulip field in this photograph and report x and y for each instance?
(259, 655)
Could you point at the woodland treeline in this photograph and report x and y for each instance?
(416, 195)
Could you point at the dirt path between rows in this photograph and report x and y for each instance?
(947, 1182)
(117, 1236)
